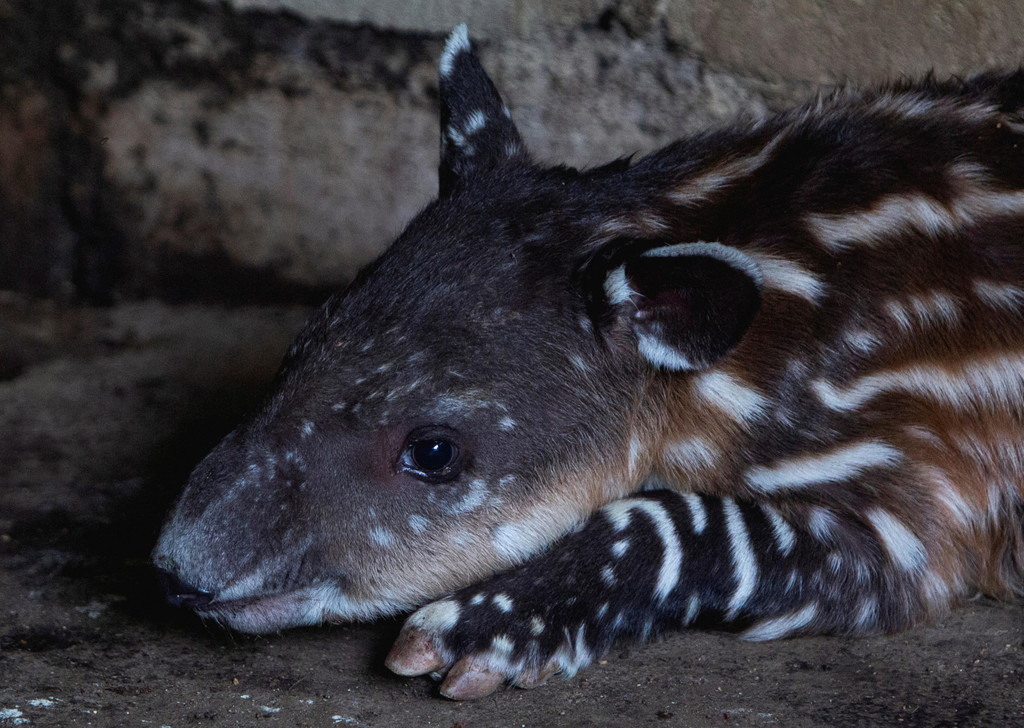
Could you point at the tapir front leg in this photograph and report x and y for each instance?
(660, 560)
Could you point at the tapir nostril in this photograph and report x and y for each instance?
(179, 594)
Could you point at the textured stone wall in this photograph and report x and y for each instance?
(822, 41)
(264, 150)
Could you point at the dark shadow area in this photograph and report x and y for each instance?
(107, 553)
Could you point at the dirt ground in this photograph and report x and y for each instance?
(102, 414)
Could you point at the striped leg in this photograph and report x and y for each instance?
(660, 560)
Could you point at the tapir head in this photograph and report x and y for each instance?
(499, 373)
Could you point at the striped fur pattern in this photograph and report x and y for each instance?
(770, 377)
(665, 560)
(855, 465)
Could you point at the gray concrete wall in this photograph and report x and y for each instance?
(813, 40)
(262, 149)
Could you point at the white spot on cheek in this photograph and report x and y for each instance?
(382, 537)
(307, 429)
(507, 424)
(477, 600)
(418, 524)
(608, 576)
(514, 543)
(460, 540)
(502, 602)
(475, 498)
(536, 626)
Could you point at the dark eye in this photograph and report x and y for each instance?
(431, 458)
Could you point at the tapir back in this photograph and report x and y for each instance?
(884, 374)
(772, 375)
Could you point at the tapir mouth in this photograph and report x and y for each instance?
(253, 613)
(268, 612)
(273, 611)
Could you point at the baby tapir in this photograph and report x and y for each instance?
(771, 376)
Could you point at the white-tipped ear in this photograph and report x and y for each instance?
(477, 132)
(458, 42)
(688, 304)
(733, 257)
(616, 287)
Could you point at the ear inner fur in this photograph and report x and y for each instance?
(687, 304)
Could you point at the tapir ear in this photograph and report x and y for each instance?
(688, 304)
(477, 131)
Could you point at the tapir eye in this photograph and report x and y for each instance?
(432, 458)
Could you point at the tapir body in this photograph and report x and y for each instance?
(771, 376)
